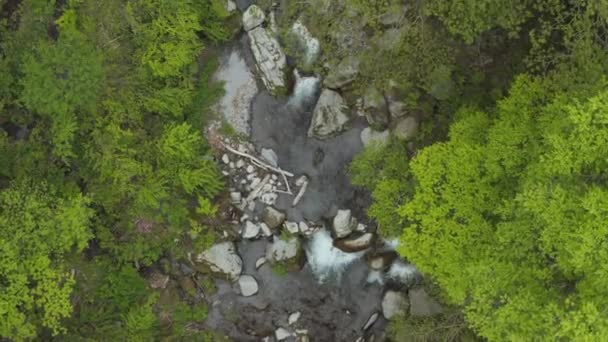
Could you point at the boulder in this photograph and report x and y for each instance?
(253, 17)
(230, 6)
(382, 260)
(251, 230)
(281, 250)
(292, 227)
(343, 74)
(306, 43)
(270, 156)
(421, 304)
(265, 229)
(371, 136)
(273, 218)
(248, 285)
(393, 303)
(330, 115)
(343, 224)
(282, 334)
(406, 129)
(375, 108)
(222, 258)
(355, 243)
(270, 59)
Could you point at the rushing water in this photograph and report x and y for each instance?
(325, 260)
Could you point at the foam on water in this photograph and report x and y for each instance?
(325, 260)
(402, 272)
(304, 90)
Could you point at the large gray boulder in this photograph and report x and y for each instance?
(330, 115)
(222, 258)
(394, 303)
(370, 136)
(406, 129)
(248, 285)
(421, 304)
(375, 108)
(253, 17)
(343, 224)
(270, 59)
(283, 250)
(343, 74)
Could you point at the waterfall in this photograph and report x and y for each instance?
(305, 89)
(325, 260)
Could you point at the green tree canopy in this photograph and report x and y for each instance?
(509, 215)
(39, 226)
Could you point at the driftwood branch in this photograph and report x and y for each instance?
(258, 162)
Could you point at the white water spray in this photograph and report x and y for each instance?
(325, 260)
(304, 90)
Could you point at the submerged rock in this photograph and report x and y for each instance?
(371, 320)
(270, 156)
(421, 304)
(281, 334)
(371, 136)
(343, 74)
(382, 260)
(294, 317)
(253, 17)
(261, 261)
(406, 129)
(329, 116)
(393, 304)
(343, 224)
(222, 258)
(355, 244)
(270, 59)
(248, 285)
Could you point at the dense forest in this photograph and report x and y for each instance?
(500, 200)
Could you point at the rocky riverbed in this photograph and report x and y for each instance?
(302, 261)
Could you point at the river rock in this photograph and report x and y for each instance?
(330, 115)
(306, 43)
(343, 224)
(265, 229)
(230, 6)
(273, 218)
(253, 17)
(371, 320)
(292, 227)
(371, 136)
(343, 74)
(375, 108)
(261, 261)
(282, 334)
(222, 258)
(355, 244)
(421, 304)
(235, 197)
(382, 260)
(393, 303)
(281, 250)
(248, 285)
(270, 59)
(251, 230)
(270, 156)
(406, 129)
(294, 317)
